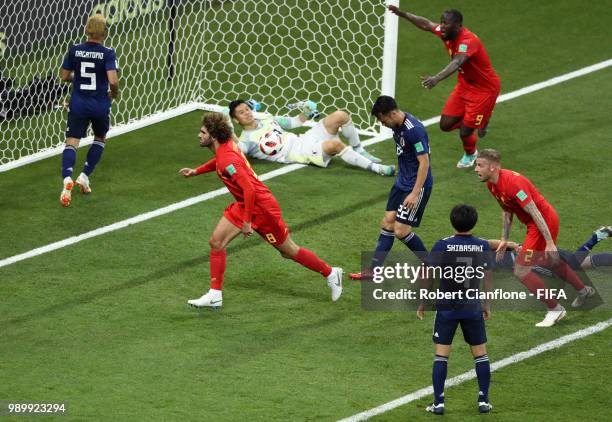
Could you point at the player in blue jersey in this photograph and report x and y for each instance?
(410, 193)
(460, 252)
(92, 69)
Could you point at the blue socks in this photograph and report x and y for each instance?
(588, 245)
(68, 160)
(93, 156)
(601, 260)
(416, 245)
(438, 377)
(383, 246)
(483, 373)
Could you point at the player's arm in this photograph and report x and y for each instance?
(431, 81)
(503, 242)
(204, 168)
(66, 75)
(418, 21)
(287, 122)
(538, 219)
(494, 244)
(423, 158)
(488, 287)
(113, 82)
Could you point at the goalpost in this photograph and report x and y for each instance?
(178, 56)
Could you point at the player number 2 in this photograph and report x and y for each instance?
(479, 118)
(91, 86)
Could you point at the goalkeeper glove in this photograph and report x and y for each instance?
(308, 107)
(255, 105)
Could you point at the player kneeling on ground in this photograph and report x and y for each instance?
(468, 313)
(266, 138)
(255, 209)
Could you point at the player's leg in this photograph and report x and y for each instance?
(474, 333)
(273, 229)
(583, 252)
(478, 110)
(453, 111)
(100, 126)
(443, 333)
(340, 119)
(76, 128)
(406, 219)
(335, 147)
(226, 230)
(385, 238)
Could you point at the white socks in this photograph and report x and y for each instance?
(353, 158)
(349, 131)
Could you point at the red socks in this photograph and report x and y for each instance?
(566, 273)
(311, 261)
(217, 268)
(535, 283)
(469, 143)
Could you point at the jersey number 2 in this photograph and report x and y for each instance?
(91, 86)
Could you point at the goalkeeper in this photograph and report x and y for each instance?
(317, 146)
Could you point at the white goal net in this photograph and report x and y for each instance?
(177, 55)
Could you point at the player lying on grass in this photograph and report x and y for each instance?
(317, 146)
(467, 313)
(255, 208)
(470, 105)
(516, 195)
(581, 259)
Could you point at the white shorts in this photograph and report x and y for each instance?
(308, 148)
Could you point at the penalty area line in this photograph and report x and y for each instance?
(284, 170)
(470, 375)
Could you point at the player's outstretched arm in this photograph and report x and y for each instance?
(418, 21)
(431, 81)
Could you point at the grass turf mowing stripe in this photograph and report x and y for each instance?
(284, 170)
(471, 374)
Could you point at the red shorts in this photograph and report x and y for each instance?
(532, 250)
(476, 107)
(266, 221)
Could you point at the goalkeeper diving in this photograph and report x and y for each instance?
(316, 146)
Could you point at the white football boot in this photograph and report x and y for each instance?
(66, 195)
(212, 299)
(467, 160)
(552, 317)
(582, 297)
(83, 183)
(334, 281)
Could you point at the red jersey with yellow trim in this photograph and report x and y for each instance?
(514, 191)
(477, 72)
(230, 162)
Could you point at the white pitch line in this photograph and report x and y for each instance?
(286, 169)
(469, 375)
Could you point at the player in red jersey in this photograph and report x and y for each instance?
(255, 209)
(517, 196)
(470, 105)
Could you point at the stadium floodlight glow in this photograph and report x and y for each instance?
(178, 56)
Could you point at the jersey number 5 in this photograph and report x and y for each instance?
(91, 86)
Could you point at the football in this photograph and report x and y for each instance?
(271, 143)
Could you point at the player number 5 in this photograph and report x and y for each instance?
(91, 86)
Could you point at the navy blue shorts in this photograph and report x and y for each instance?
(411, 217)
(77, 125)
(473, 327)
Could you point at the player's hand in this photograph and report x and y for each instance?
(501, 250)
(247, 230)
(411, 200)
(112, 95)
(420, 313)
(552, 253)
(187, 172)
(395, 10)
(429, 81)
(486, 312)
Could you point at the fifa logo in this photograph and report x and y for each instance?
(2, 43)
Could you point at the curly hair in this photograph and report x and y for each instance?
(217, 126)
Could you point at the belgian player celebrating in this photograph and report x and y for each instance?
(255, 209)
(517, 196)
(92, 69)
(471, 103)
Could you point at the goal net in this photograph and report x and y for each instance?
(177, 56)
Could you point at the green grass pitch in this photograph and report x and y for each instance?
(103, 324)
